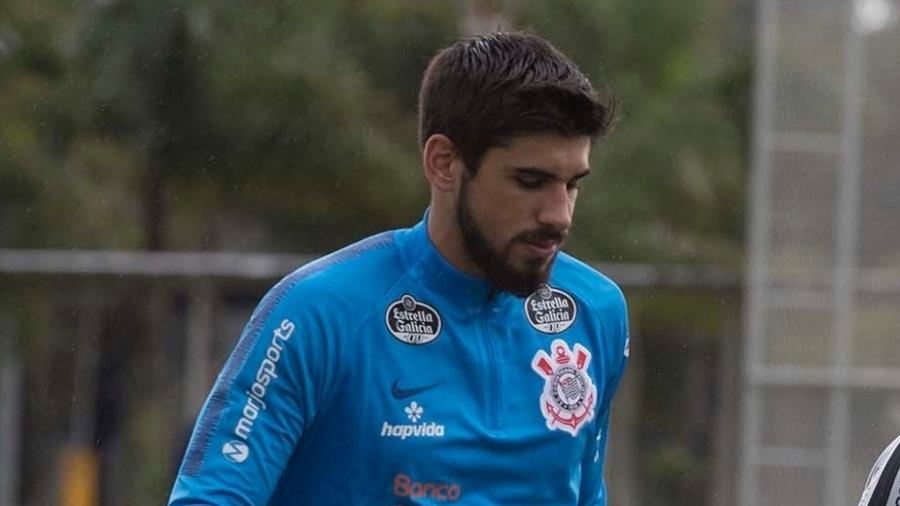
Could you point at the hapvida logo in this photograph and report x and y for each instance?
(414, 413)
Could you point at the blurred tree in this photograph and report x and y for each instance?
(213, 124)
(218, 125)
(670, 180)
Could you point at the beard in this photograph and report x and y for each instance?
(496, 264)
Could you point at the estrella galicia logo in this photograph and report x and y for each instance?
(236, 451)
(550, 310)
(412, 322)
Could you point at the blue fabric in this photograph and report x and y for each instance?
(381, 374)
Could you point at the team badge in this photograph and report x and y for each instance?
(550, 310)
(569, 395)
(412, 322)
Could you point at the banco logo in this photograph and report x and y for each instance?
(236, 451)
(404, 486)
(412, 322)
(414, 413)
(550, 310)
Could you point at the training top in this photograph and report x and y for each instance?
(383, 375)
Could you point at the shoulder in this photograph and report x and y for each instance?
(343, 281)
(589, 285)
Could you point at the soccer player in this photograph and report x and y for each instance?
(465, 359)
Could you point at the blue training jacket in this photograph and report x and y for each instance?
(382, 375)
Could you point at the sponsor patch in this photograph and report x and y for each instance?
(569, 395)
(550, 310)
(414, 413)
(266, 374)
(404, 486)
(412, 322)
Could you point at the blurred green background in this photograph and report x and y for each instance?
(289, 127)
(250, 126)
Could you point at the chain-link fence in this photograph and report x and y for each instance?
(822, 326)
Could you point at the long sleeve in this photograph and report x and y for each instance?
(266, 395)
(593, 486)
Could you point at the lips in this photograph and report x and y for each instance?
(542, 243)
(543, 248)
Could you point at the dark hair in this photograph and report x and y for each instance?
(485, 90)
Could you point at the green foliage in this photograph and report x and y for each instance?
(291, 125)
(211, 124)
(670, 179)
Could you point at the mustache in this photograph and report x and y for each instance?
(542, 235)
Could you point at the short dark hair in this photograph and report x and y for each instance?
(483, 91)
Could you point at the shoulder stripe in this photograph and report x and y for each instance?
(201, 440)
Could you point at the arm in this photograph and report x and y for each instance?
(266, 394)
(593, 486)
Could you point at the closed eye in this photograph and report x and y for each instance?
(575, 182)
(530, 181)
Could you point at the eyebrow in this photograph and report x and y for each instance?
(544, 173)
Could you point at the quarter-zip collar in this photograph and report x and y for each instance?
(435, 271)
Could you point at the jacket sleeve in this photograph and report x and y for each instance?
(615, 326)
(265, 396)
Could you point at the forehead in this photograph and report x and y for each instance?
(563, 156)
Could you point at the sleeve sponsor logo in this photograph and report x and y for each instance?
(412, 322)
(567, 401)
(404, 486)
(255, 401)
(550, 310)
(236, 451)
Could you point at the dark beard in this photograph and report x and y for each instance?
(495, 265)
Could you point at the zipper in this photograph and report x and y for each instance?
(492, 395)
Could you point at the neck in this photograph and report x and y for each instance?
(448, 239)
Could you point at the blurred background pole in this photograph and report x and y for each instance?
(79, 462)
(197, 374)
(624, 451)
(10, 413)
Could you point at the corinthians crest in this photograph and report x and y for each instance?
(569, 395)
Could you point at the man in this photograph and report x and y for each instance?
(463, 360)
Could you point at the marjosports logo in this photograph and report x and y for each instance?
(412, 322)
(549, 310)
(236, 451)
(255, 403)
(414, 413)
(567, 401)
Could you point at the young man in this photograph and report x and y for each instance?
(463, 360)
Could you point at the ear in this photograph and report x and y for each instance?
(441, 162)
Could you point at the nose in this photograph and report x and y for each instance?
(557, 207)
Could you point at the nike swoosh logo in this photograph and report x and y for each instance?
(403, 393)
